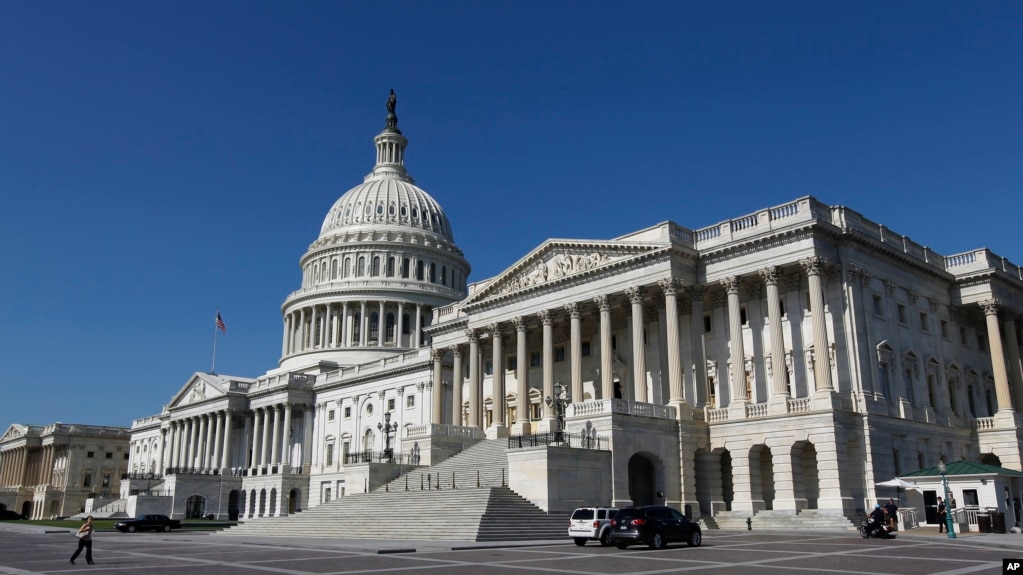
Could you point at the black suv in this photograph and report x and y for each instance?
(654, 525)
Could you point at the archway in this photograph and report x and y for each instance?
(761, 468)
(991, 459)
(805, 480)
(641, 480)
(195, 507)
(262, 503)
(232, 505)
(294, 503)
(251, 511)
(26, 510)
(54, 508)
(273, 503)
(727, 482)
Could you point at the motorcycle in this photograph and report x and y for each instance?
(878, 530)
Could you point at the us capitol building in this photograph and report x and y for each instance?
(781, 362)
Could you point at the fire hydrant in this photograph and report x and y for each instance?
(749, 524)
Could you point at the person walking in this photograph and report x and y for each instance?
(84, 536)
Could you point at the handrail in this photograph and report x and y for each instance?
(562, 439)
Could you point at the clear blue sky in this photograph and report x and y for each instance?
(161, 159)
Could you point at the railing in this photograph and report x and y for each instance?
(580, 440)
(907, 517)
(800, 405)
(386, 456)
(982, 423)
(152, 492)
(191, 471)
(443, 430)
(435, 481)
(605, 406)
(139, 475)
(965, 515)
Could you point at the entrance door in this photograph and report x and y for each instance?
(931, 507)
(641, 481)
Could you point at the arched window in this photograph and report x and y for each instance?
(444, 275)
(323, 272)
(361, 271)
(357, 327)
(390, 327)
(333, 269)
(419, 270)
(405, 268)
(406, 324)
(376, 265)
(374, 327)
(348, 268)
(433, 273)
(390, 267)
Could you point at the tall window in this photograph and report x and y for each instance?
(361, 271)
(376, 266)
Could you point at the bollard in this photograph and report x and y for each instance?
(749, 524)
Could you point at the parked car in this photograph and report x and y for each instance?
(591, 523)
(653, 525)
(7, 514)
(151, 522)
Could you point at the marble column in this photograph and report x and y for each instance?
(418, 327)
(284, 339)
(1015, 373)
(363, 324)
(607, 390)
(207, 450)
(218, 440)
(548, 367)
(346, 328)
(275, 438)
(497, 424)
(575, 351)
(264, 452)
(399, 331)
(475, 383)
(699, 358)
(189, 443)
(286, 441)
(457, 382)
(225, 460)
(994, 337)
(737, 353)
(821, 348)
(254, 448)
(779, 387)
(437, 395)
(522, 426)
(676, 393)
(639, 383)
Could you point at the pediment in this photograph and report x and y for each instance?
(15, 431)
(200, 387)
(555, 260)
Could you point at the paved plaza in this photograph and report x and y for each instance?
(26, 550)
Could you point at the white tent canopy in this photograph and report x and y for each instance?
(898, 484)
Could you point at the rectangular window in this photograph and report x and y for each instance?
(87, 480)
(534, 412)
(559, 353)
(106, 480)
(329, 460)
(707, 324)
(534, 359)
(901, 312)
(410, 401)
(781, 306)
(110, 455)
(326, 495)
(944, 329)
(742, 316)
(878, 307)
(348, 413)
(923, 322)
(513, 363)
(330, 415)
(962, 336)
(488, 367)
(89, 454)
(390, 404)
(586, 349)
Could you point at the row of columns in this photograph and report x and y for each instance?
(1008, 380)
(670, 289)
(25, 466)
(13, 464)
(201, 442)
(270, 446)
(334, 325)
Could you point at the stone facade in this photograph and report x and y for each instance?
(781, 361)
(52, 471)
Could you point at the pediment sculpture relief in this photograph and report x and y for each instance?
(558, 266)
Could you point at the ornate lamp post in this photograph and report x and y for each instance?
(948, 501)
(388, 428)
(558, 403)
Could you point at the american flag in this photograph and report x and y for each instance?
(220, 324)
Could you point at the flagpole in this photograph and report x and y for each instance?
(213, 369)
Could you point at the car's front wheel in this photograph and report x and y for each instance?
(131, 529)
(166, 528)
(695, 538)
(580, 541)
(605, 538)
(656, 541)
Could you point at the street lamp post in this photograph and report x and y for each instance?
(388, 428)
(948, 501)
(558, 403)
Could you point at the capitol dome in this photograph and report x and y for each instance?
(385, 258)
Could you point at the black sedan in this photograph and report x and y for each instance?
(653, 525)
(147, 522)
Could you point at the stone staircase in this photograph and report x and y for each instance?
(490, 512)
(112, 510)
(805, 520)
